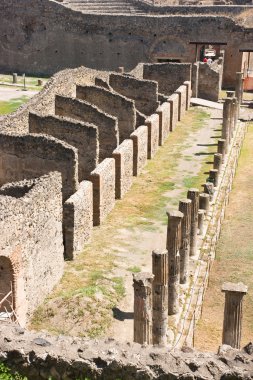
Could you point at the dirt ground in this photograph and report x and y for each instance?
(9, 93)
(234, 257)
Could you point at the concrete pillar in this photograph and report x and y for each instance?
(201, 218)
(232, 323)
(143, 307)
(239, 87)
(209, 189)
(214, 177)
(173, 245)
(222, 148)
(204, 201)
(14, 78)
(226, 122)
(185, 208)
(217, 162)
(193, 195)
(160, 297)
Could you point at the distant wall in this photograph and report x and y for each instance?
(123, 156)
(113, 104)
(143, 92)
(168, 75)
(30, 156)
(80, 110)
(103, 179)
(31, 237)
(78, 219)
(140, 149)
(82, 136)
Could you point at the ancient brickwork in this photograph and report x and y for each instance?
(123, 156)
(78, 219)
(140, 146)
(113, 104)
(82, 136)
(36, 251)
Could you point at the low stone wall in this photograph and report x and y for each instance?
(78, 219)
(31, 239)
(168, 75)
(113, 104)
(208, 82)
(188, 93)
(80, 110)
(143, 92)
(182, 104)
(30, 156)
(140, 149)
(123, 156)
(103, 179)
(174, 105)
(82, 136)
(40, 356)
(152, 122)
(164, 121)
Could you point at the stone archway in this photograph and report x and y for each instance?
(6, 284)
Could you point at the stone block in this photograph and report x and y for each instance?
(140, 148)
(152, 122)
(123, 156)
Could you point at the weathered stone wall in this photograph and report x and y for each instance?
(40, 356)
(164, 121)
(174, 106)
(208, 82)
(143, 92)
(140, 148)
(103, 179)
(80, 110)
(123, 156)
(78, 219)
(168, 75)
(31, 237)
(82, 136)
(113, 104)
(30, 156)
(182, 104)
(152, 122)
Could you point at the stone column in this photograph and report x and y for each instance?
(226, 122)
(185, 208)
(201, 218)
(121, 69)
(204, 201)
(239, 87)
(173, 245)
(222, 148)
(143, 307)
(209, 189)
(214, 176)
(193, 195)
(14, 78)
(232, 323)
(160, 297)
(217, 162)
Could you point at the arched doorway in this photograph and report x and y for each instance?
(7, 290)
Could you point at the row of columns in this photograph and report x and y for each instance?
(156, 294)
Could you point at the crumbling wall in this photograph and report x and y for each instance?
(182, 103)
(30, 156)
(80, 110)
(152, 122)
(31, 237)
(168, 75)
(143, 92)
(82, 136)
(113, 104)
(103, 179)
(174, 106)
(78, 219)
(208, 82)
(123, 156)
(164, 121)
(140, 148)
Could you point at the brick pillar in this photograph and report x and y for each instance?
(226, 122)
(193, 195)
(222, 148)
(143, 307)
(185, 208)
(204, 201)
(217, 162)
(160, 297)
(232, 323)
(173, 245)
(239, 87)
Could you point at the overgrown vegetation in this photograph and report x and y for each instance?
(6, 374)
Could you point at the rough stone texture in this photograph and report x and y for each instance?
(40, 356)
(36, 251)
(208, 82)
(188, 93)
(153, 124)
(30, 156)
(82, 136)
(113, 104)
(164, 121)
(182, 104)
(168, 75)
(103, 179)
(174, 105)
(78, 219)
(80, 110)
(193, 195)
(143, 92)
(140, 148)
(123, 156)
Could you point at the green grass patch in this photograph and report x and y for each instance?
(134, 269)
(12, 105)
